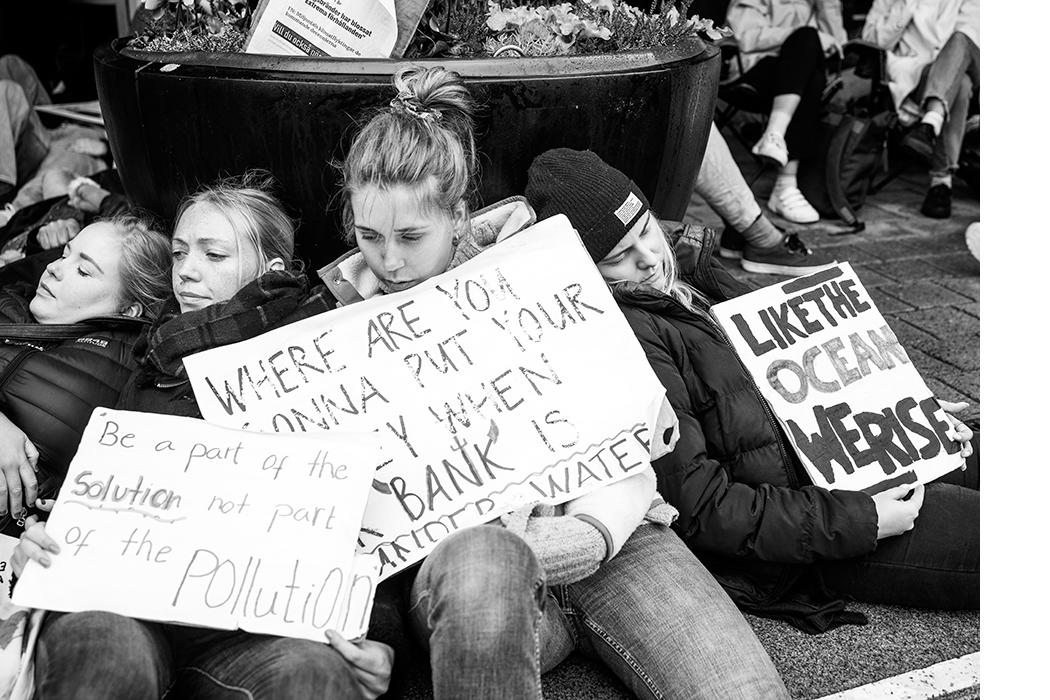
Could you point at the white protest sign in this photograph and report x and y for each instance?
(340, 28)
(852, 403)
(509, 379)
(172, 519)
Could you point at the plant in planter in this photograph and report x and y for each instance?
(637, 88)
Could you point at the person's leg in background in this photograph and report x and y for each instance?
(795, 79)
(749, 235)
(952, 79)
(16, 69)
(476, 606)
(101, 655)
(662, 623)
(24, 142)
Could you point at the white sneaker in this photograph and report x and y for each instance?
(973, 239)
(772, 147)
(790, 203)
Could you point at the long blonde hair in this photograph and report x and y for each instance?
(674, 285)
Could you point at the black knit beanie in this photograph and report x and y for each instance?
(601, 202)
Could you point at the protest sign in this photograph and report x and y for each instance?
(510, 379)
(852, 403)
(172, 519)
(339, 28)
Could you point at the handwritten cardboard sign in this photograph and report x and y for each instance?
(172, 519)
(852, 403)
(510, 379)
(339, 28)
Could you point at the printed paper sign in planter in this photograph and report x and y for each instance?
(852, 403)
(510, 379)
(340, 28)
(172, 519)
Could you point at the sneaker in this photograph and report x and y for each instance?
(731, 244)
(973, 239)
(938, 202)
(772, 147)
(792, 258)
(790, 204)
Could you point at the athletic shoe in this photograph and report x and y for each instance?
(791, 204)
(772, 147)
(973, 239)
(731, 244)
(938, 202)
(792, 258)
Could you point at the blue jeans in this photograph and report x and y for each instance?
(653, 615)
(106, 656)
(936, 564)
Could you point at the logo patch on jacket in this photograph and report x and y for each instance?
(99, 342)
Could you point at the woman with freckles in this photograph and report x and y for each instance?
(496, 605)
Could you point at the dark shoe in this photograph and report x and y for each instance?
(792, 258)
(731, 244)
(938, 202)
(919, 140)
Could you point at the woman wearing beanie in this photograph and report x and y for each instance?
(779, 545)
(497, 605)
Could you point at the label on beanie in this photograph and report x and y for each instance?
(629, 209)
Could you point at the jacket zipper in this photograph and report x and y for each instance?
(784, 580)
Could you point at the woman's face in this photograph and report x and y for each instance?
(404, 242)
(638, 257)
(85, 282)
(210, 260)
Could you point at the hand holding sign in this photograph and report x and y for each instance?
(173, 519)
(850, 400)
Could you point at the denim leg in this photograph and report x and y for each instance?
(722, 185)
(952, 78)
(659, 620)
(476, 605)
(244, 666)
(101, 655)
(23, 140)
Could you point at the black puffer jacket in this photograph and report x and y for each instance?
(52, 377)
(747, 508)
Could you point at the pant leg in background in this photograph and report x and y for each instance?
(24, 142)
(16, 69)
(476, 605)
(722, 185)
(952, 78)
(103, 656)
(937, 564)
(799, 69)
(659, 620)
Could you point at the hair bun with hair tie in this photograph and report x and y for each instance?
(407, 102)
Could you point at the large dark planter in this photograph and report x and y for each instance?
(179, 120)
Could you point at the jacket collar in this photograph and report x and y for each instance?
(349, 279)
